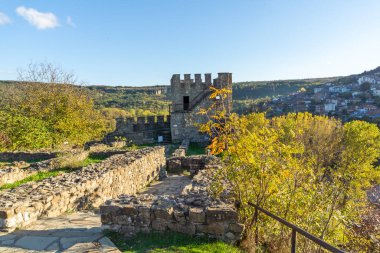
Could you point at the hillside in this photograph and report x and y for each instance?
(154, 100)
(261, 89)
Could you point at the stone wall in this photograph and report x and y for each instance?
(26, 156)
(192, 163)
(182, 149)
(19, 171)
(142, 130)
(193, 212)
(86, 187)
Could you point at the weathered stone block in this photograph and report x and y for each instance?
(236, 227)
(197, 215)
(179, 216)
(106, 218)
(187, 228)
(216, 228)
(108, 209)
(215, 214)
(129, 210)
(230, 236)
(159, 224)
(129, 231)
(123, 220)
(163, 212)
(144, 212)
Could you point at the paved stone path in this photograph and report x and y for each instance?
(77, 232)
(172, 185)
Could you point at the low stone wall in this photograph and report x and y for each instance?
(182, 149)
(86, 187)
(108, 153)
(194, 212)
(26, 156)
(11, 174)
(191, 163)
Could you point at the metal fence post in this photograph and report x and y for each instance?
(294, 236)
(257, 226)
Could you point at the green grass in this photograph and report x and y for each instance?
(53, 173)
(92, 159)
(195, 149)
(170, 242)
(36, 177)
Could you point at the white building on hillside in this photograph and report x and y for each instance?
(330, 107)
(367, 79)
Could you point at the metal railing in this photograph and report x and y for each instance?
(296, 230)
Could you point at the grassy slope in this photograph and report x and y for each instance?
(170, 242)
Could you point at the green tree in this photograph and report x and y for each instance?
(59, 111)
(311, 170)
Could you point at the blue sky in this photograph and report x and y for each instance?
(144, 42)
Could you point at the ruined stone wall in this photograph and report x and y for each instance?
(192, 163)
(182, 149)
(143, 130)
(26, 156)
(86, 187)
(194, 212)
(13, 173)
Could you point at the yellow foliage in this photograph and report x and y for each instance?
(311, 170)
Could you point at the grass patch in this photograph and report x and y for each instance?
(170, 242)
(195, 149)
(92, 159)
(141, 146)
(36, 177)
(39, 176)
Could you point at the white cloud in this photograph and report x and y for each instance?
(70, 22)
(4, 19)
(41, 20)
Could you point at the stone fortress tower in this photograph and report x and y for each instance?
(188, 96)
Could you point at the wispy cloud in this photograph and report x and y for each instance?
(70, 22)
(41, 20)
(4, 19)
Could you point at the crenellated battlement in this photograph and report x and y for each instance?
(142, 123)
(188, 80)
(196, 81)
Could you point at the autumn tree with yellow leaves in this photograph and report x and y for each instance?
(310, 170)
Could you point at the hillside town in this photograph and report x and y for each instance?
(359, 99)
